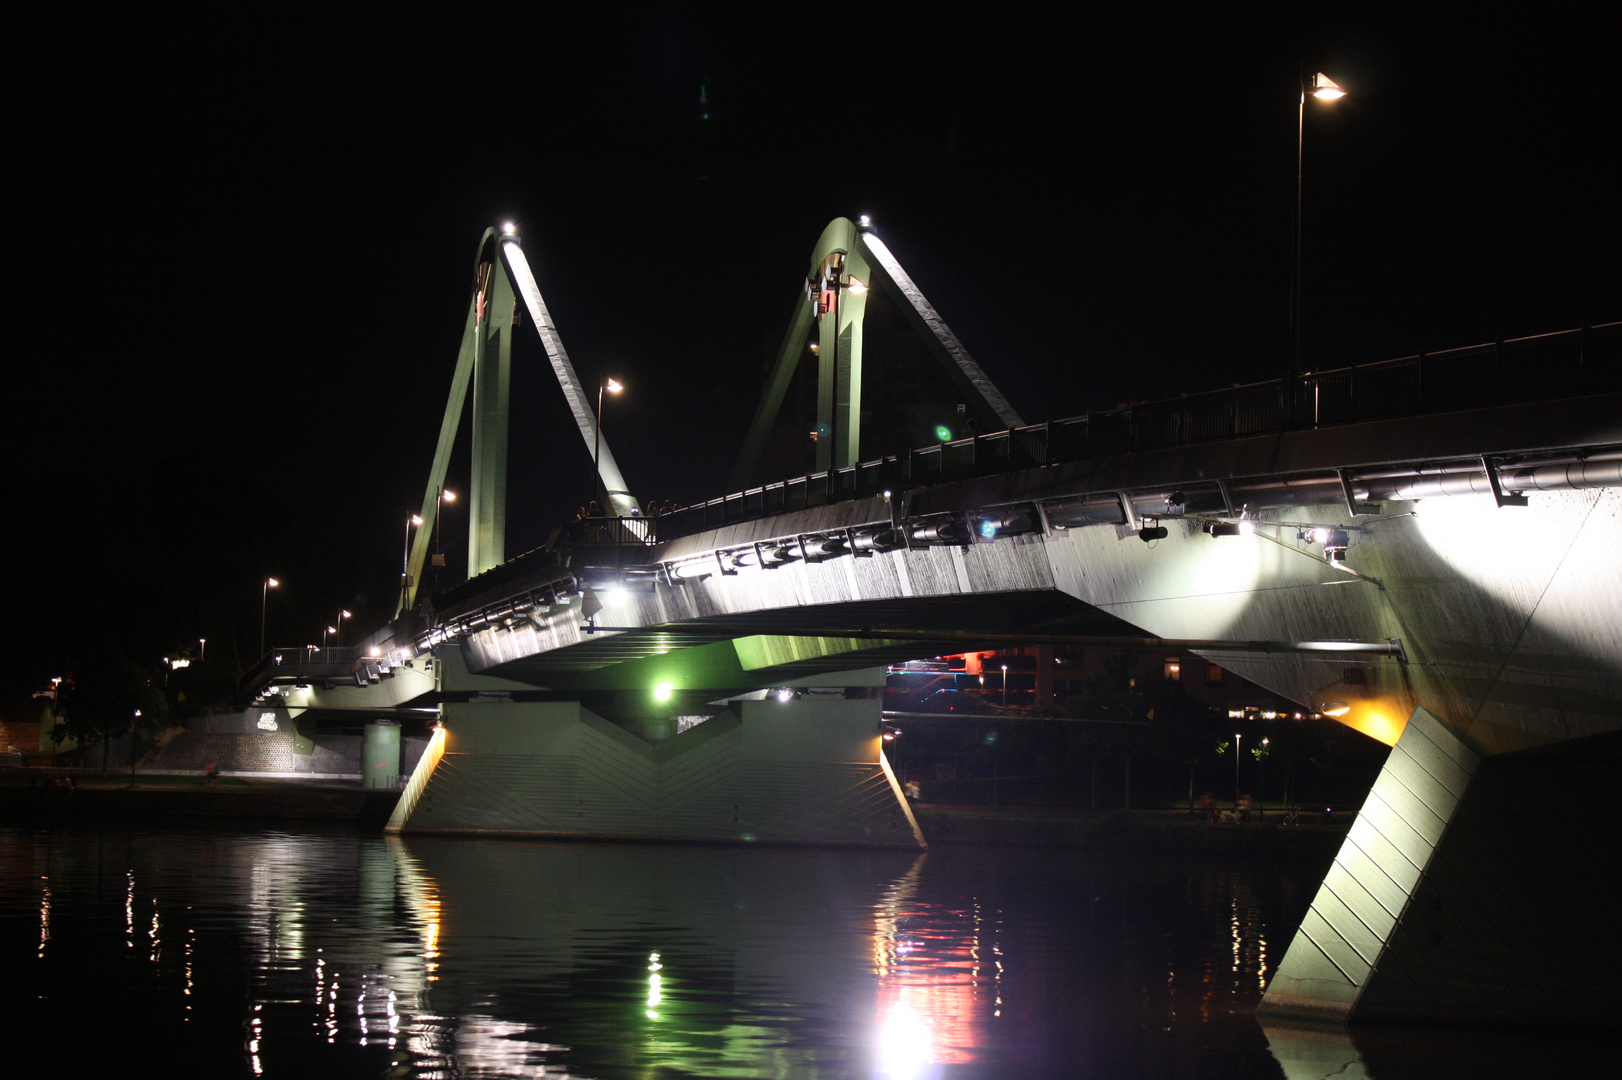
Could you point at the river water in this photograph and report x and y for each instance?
(230, 953)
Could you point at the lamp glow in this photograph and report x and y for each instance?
(663, 691)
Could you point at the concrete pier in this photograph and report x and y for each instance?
(1469, 891)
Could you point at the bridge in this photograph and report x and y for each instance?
(1423, 547)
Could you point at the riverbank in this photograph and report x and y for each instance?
(55, 794)
(1127, 830)
(40, 795)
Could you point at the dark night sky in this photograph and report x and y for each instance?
(242, 248)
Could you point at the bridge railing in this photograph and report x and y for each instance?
(1524, 370)
(611, 541)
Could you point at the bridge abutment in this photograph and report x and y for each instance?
(1469, 891)
(804, 770)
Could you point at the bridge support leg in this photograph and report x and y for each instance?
(1469, 891)
(809, 770)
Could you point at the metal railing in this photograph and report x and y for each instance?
(605, 542)
(1519, 371)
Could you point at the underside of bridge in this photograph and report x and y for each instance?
(1444, 579)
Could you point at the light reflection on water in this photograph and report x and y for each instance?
(272, 954)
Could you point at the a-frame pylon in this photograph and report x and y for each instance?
(847, 263)
(502, 280)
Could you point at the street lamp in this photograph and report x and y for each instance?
(1261, 781)
(1236, 738)
(405, 559)
(264, 604)
(1005, 684)
(339, 631)
(1323, 88)
(446, 495)
(613, 386)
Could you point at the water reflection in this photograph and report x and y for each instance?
(270, 954)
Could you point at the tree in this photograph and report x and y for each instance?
(107, 695)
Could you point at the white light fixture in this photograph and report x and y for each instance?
(1326, 89)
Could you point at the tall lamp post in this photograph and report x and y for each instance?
(1005, 684)
(444, 498)
(1323, 88)
(1261, 780)
(1236, 738)
(405, 559)
(264, 606)
(613, 386)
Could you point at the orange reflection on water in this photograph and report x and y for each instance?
(939, 979)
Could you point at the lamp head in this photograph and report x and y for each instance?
(613, 386)
(1326, 89)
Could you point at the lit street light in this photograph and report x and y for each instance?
(264, 604)
(1261, 780)
(445, 496)
(1005, 684)
(613, 386)
(1236, 738)
(405, 559)
(1325, 89)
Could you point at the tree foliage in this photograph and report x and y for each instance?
(107, 695)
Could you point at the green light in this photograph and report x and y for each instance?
(943, 433)
(663, 691)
